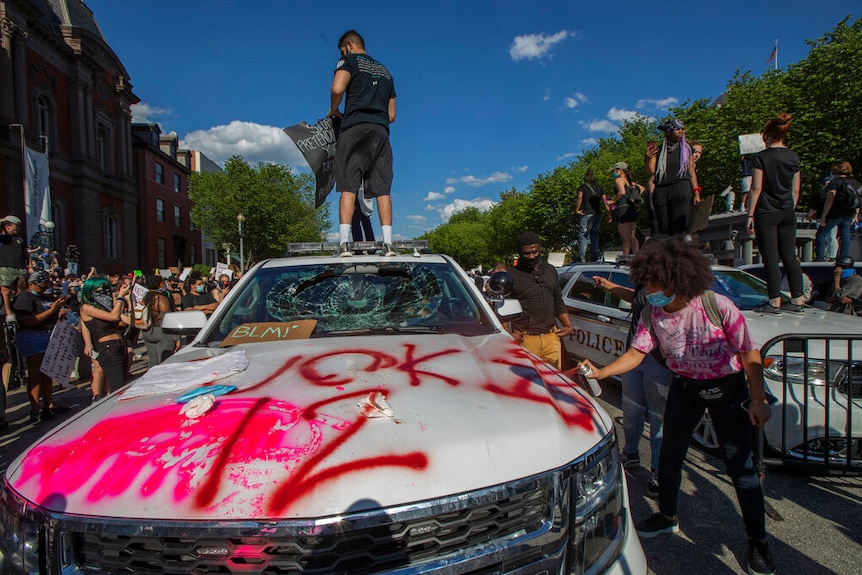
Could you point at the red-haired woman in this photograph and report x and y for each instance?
(772, 215)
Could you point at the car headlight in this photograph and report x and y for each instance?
(19, 536)
(819, 373)
(599, 527)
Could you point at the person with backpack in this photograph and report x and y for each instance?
(715, 366)
(840, 210)
(628, 195)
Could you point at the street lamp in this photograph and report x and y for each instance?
(239, 220)
(226, 247)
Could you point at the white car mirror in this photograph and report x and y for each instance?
(509, 309)
(183, 322)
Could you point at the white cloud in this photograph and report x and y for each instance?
(600, 126)
(567, 155)
(547, 95)
(589, 141)
(433, 196)
(521, 169)
(661, 104)
(417, 219)
(460, 205)
(254, 142)
(532, 46)
(578, 98)
(449, 190)
(146, 113)
(496, 177)
(619, 114)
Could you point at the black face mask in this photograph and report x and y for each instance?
(104, 299)
(529, 264)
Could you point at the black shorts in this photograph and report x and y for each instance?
(363, 154)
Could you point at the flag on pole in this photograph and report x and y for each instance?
(37, 191)
(772, 55)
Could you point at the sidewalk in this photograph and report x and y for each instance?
(21, 433)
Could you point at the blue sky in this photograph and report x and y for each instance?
(490, 94)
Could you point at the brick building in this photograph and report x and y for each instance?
(63, 87)
(162, 171)
(119, 190)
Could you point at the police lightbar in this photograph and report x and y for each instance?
(304, 248)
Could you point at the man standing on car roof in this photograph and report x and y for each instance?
(537, 287)
(846, 288)
(363, 153)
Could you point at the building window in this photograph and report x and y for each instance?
(160, 210)
(160, 173)
(178, 217)
(101, 151)
(177, 182)
(44, 117)
(111, 240)
(162, 247)
(194, 255)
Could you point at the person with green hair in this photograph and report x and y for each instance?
(100, 326)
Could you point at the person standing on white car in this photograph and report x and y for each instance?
(712, 358)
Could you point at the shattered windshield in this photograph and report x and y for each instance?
(745, 290)
(334, 299)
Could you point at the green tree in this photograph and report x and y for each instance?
(463, 238)
(278, 207)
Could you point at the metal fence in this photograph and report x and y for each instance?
(816, 423)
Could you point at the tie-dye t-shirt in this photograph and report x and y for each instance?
(694, 347)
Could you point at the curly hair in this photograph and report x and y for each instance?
(674, 263)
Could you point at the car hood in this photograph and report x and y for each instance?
(813, 322)
(291, 442)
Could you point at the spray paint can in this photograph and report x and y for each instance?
(585, 371)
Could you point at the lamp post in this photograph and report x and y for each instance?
(226, 247)
(240, 219)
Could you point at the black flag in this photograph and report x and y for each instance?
(317, 144)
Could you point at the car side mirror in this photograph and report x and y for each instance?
(183, 322)
(508, 310)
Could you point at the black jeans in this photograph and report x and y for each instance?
(672, 204)
(775, 233)
(734, 430)
(114, 361)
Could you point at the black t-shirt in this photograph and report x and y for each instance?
(671, 173)
(26, 304)
(191, 300)
(591, 201)
(13, 252)
(540, 296)
(778, 165)
(369, 91)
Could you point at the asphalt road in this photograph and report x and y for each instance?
(820, 532)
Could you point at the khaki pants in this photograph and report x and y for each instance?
(547, 346)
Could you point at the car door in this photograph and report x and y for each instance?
(599, 319)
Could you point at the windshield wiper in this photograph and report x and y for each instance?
(386, 330)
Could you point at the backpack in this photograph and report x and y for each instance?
(143, 321)
(633, 194)
(849, 195)
(710, 306)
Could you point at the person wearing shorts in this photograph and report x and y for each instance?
(363, 155)
(13, 260)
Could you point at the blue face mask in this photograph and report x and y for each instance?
(200, 288)
(658, 299)
(616, 175)
(847, 273)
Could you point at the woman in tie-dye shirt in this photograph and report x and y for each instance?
(704, 353)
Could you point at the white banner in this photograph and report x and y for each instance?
(64, 347)
(37, 191)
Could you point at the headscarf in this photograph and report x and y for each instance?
(684, 152)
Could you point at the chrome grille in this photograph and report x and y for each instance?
(341, 549)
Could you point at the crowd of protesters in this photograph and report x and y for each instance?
(39, 291)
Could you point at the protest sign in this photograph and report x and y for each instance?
(317, 144)
(64, 347)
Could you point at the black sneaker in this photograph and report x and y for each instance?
(652, 486)
(630, 460)
(34, 417)
(759, 558)
(343, 251)
(768, 309)
(388, 251)
(47, 415)
(656, 524)
(793, 308)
